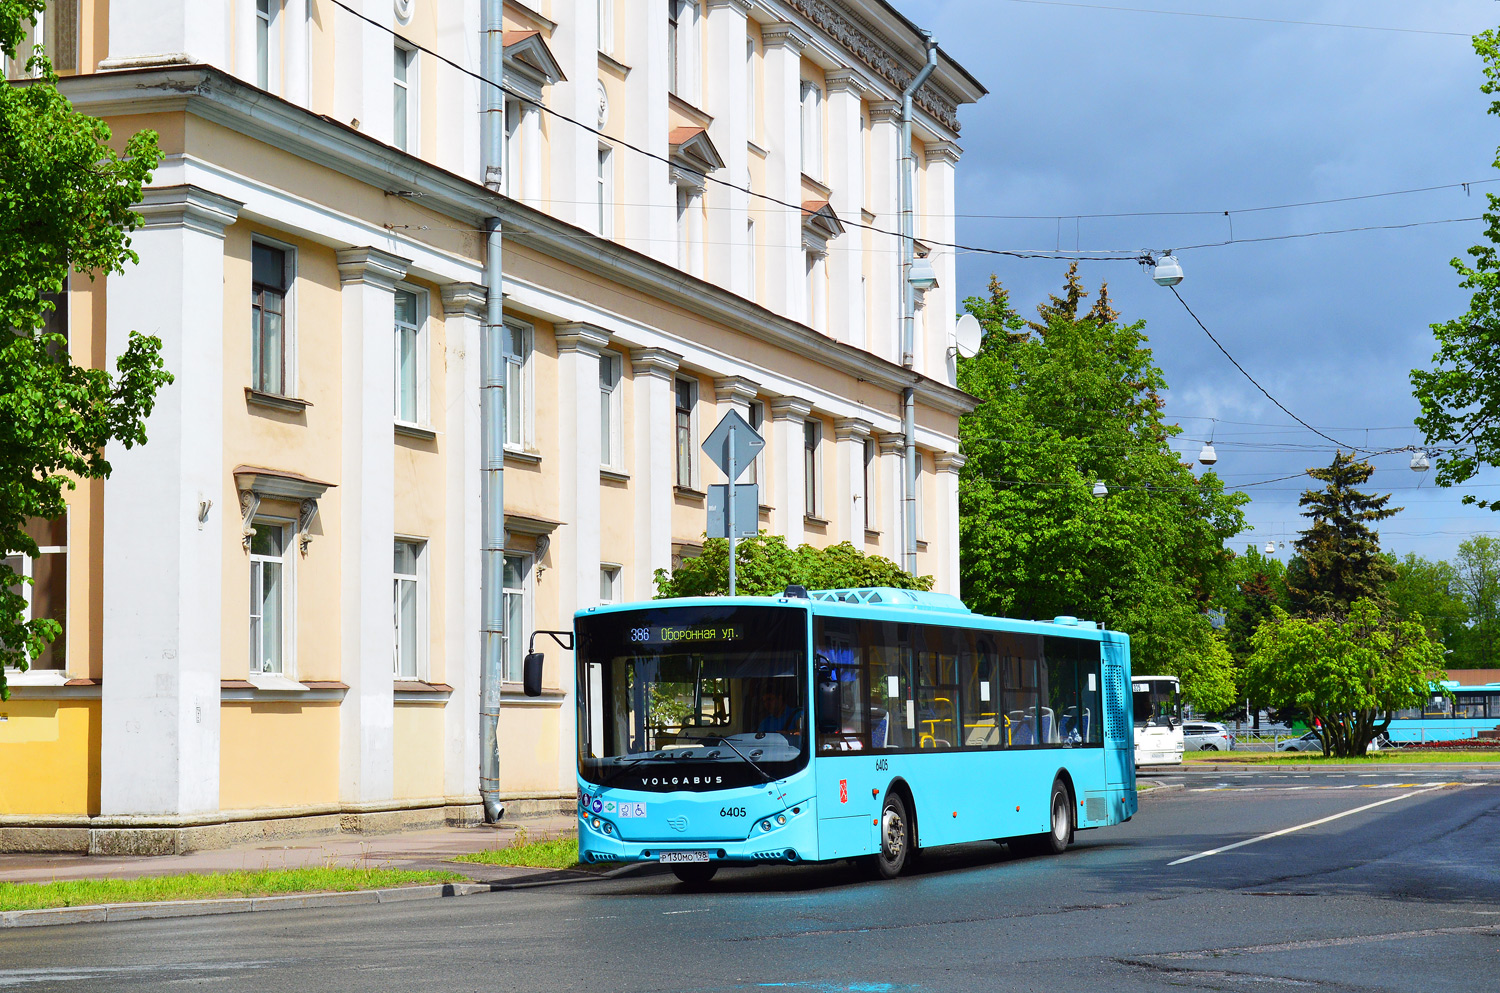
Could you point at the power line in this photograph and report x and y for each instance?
(1241, 17)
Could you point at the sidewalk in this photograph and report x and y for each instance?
(415, 850)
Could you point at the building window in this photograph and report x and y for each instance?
(404, 120)
(266, 12)
(607, 26)
(758, 422)
(408, 608)
(514, 113)
(609, 584)
(682, 49)
(611, 411)
(917, 492)
(812, 129)
(750, 93)
(56, 31)
(517, 385)
(684, 226)
(752, 268)
(268, 582)
(606, 192)
(812, 434)
(687, 396)
(817, 292)
(409, 354)
(868, 495)
(517, 572)
(270, 269)
(46, 595)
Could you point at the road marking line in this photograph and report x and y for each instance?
(670, 913)
(1299, 827)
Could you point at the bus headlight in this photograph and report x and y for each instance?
(596, 822)
(765, 825)
(780, 818)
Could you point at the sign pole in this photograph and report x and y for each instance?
(730, 508)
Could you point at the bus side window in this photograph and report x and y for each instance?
(982, 712)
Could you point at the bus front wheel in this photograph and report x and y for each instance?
(895, 837)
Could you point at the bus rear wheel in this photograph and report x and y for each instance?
(895, 838)
(694, 873)
(1054, 841)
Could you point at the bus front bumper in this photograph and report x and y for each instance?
(787, 836)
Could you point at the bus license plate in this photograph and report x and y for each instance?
(684, 856)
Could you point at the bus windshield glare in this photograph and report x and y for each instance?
(692, 698)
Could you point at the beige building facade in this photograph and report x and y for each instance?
(273, 610)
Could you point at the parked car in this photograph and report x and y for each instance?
(1310, 742)
(1205, 736)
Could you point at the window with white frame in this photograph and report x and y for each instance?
(46, 595)
(606, 192)
(753, 267)
(817, 291)
(404, 110)
(517, 610)
(56, 30)
(683, 67)
(410, 355)
(270, 347)
(267, 25)
(917, 492)
(812, 129)
(758, 422)
(871, 455)
(518, 342)
(268, 597)
(687, 398)
(812, 436)
(609, 584)
(611, 411)
(409, 608)
(514, 115)
(750, 94)
(684, 226)
(607, 26)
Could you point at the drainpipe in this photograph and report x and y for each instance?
(492, 426)
(908, 311)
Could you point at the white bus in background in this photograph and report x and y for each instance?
(1158, 720)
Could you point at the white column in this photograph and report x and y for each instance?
(574, 150)
(788, 414)
(849, 514)
(786, 279)
(463, 313)
(892, 457)
(296, 67)
(939, 228)
(846, 178)
(885, 302)
(654, 370)
(651, 206)
(364, 57)
(946, 574)
(163, 575)
(246, 62)
(726, 100)
(368, 522)
(170, 32)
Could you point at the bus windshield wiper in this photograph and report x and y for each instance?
(724, 740)
(627, 766)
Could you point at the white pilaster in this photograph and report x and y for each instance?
(849, 435)
(946, 574)
(884, 318)
(463, 313)
(846, 178)
(788, 414)
(365, 54)
(368, 522)
(654, 370)
(296, 45)
(785, 278)
(163, 575)
(170, 32)
(892, 457)
(939, 228)
(726, 99)
(575, 151)
(650, 209)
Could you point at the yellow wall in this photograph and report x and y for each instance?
(278, 754)
(528, 750)
(419, 750)
(49, 757)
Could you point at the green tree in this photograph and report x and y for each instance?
(1061, 408)
(65, 199)
(1477, 577)
(1460, 394)
(1348, 672)
(1429, 591)
(1340, 551)
(766, 565)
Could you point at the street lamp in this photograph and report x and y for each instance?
(1270, 548)
(1100, 490)
(1419, 461)
(1168, 271)
(922, 275)
(1208, 456)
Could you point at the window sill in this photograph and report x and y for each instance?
(766, 508)
(36, 677)
(921, 544)
(268, 682)
(614, 65)
(275, 401)
(814, 520)
(523, 457)
(274, 687)
(818, 185)
(614, 475)
(871, 535)
(688, 493)
(415, 431)
(512, 693)
(756, 149)
(418, 691)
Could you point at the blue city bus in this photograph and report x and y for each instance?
(1460, 712)
(842, 724)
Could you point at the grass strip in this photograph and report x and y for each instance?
(210, 886)
(559, 853)
(1392, 756)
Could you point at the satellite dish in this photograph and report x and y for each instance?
(969, 335)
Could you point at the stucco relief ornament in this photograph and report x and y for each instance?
(603, 105)
(404, 9)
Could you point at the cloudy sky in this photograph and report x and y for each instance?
(1098, 109)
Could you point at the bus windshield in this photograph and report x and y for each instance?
(1156, 701)
(692, 698)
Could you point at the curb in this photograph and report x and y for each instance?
(110, 912)
(1158, 787)
(1410, 767)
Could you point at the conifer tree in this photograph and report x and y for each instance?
(1059, 308)
(1339, 549)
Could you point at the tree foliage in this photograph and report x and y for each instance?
(65, 204)
(765, 565)
(1477, 580)
(1460, 394)
(1429, 591)
(1066, 401)
(1349, 672)
(1340, 551)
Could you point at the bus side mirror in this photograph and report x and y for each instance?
(828, 703)
(531, 674)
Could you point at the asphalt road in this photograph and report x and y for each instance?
(1402, 895)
